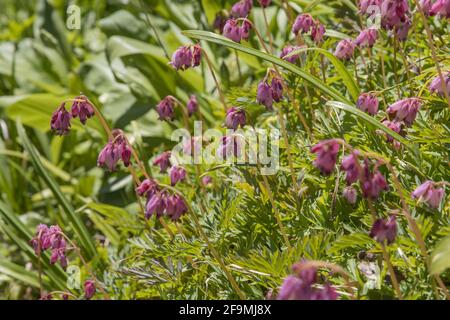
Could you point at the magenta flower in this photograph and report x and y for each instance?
(393, 13)
(89, 289)
(426, 6)
(147, 187)
(192, 146)
(245, 29)
(206, 180)
(163, 161)
(302, 23)
(175, 207)
(235, 117)
(116, 149)
(368, 103)
(176, 174)
(232, 30)
(287, 50)
(405, 110)
(242, 8)
(60, 122)
(219, 21)
(394, 126)
(372, 183)
(301, 286)
(50, 238)
(196, 55)
(82, 108)
(264, 94)
(441, 8)
(429, 193)
(229, 146)
(192, 105)
(350, 164)
(367, 38)
(364, 6)
(264, 3)
(345, 49)
(156, 205)
(437, 87)
(326, 151)
(317, 32)
(166, 108)
(384, 230)
(182, 58)
(276, 87)
(350, 195)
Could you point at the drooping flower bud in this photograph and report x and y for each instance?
(393, 13)
(219, 21)
(206, 180)
(176, 174)
(166, 108)
(367, 38)
(326, 151)
(405, 110)
(116, 149)
(245, 29)
(441, 8)
(428, 193)
(60, 122)
(82, 108)
(196, 55)
(50, 238)
(372, 183)
(345, 49)
(426, 6)
(175, 207)
(350, 164)
(232, 30)
(368, 103)
(403, 29)
(163, 161)
(230, 145)
(286, 51)
(242, 8)
(182, 58)
(192, 105)
(156, 204)
(367, 6)
(89, 289)
(276, 87)
(350, 195)
(235, 117)
(394, 126)
(264, 3)
(302, 23)
(264, 94)
(384, 230)
(437, 87)
(317, 32)
(147, 187)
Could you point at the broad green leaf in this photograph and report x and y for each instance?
(123, 23)
(18, 272)
(440, 258)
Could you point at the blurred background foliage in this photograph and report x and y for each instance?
(117, 61)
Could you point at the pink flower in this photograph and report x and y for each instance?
(326, 151)
(367, 38)
(50, 238)
(116, 149)
(192, 105)
(175, 207)
(394, 126)
(156, 204)
(345, 49)
(426, 6)
(350, 195)
(229, 146)
(405, 110)
(429, 193)
(393, 13)
(264, 3)
(219, 21)
(176, 174)
(287, 50)
(403, 29)
(82, 108)
(441, 8)
(147, 187)
(89, 289)
(235, 117)
(245, 29)
(182, 58)
(302, 23)
(437, 86)
(206, 180)
(384, 230)
(317, 32)
(264, 94)
(196, 55)
(242, 8)
(232, 30)
(166, 108)
(372, 183)
(163, 161)
(368, 103)
(366, 6)
(350, 164)
(60, 122)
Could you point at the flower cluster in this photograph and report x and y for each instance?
(368, 102)
(367, 38)
(89, 289)
(384, 230)
(186, 57)
(305, 23)
(115, 150)
(160, 202)
(235, 117)
(81, 108)
(285, 54)
(166, 107)
(268, 93)
(404, 110)
(242, 8)
(51, 238)
(438, 87)
(302, 285)
(163, 161)
(237, 30)
(345, 49)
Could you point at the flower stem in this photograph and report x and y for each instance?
(221, 95)
(269, 35)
